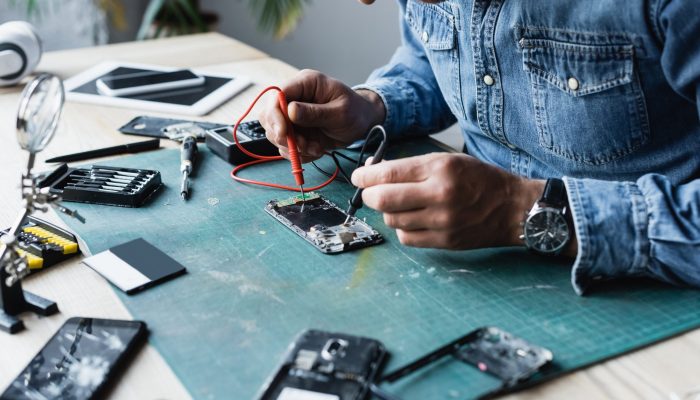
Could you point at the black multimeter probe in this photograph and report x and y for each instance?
(356, 200)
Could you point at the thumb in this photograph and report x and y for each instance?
(310, 114)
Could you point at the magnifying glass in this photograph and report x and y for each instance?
(39, 112)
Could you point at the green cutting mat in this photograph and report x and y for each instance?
(253, 286)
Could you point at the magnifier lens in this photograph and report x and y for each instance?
(39, 112)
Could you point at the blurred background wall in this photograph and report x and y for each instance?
(342, 38)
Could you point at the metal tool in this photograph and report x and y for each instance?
(188, 157)
(356, 200)
(37, 119)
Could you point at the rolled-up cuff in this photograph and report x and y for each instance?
(400, 109)
(611, 223)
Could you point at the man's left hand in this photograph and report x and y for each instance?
(446, 200)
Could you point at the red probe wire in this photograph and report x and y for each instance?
(297, 170)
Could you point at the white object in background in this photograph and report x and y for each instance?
(20, 51)
(146, 82)
(233, 86)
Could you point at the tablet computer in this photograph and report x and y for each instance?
(198, 100)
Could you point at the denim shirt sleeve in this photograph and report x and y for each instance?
(648, 228)
(407, 86)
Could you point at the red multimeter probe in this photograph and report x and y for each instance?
(295, 160)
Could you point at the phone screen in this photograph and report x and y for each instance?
(147, 79)
(77, 360)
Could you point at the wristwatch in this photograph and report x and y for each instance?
(546, 229)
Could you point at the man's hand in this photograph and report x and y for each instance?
(450, 201)
(325, 112)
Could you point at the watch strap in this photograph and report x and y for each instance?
(554, 193)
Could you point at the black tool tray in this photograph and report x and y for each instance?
(112, 186)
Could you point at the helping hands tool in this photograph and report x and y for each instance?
(356, 200)
(188, 157)
(37, 118)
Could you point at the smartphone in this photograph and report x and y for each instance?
(79, 360)
(322, 365)
(146, 82)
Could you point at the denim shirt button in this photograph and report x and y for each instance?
(488, 80)
(424, 37)
(573, 83)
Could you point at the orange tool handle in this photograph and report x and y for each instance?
(297, 170)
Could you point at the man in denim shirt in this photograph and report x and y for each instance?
(603, 95)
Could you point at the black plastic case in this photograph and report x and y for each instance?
(251, 135)
(144, 183)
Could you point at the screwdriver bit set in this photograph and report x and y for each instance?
(113, 186)
(44, 244)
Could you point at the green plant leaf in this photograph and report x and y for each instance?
(278, 16)
(172, 17)
(154, 6)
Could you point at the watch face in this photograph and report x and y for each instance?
(546, 231)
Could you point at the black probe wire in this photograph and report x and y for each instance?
(358, 162)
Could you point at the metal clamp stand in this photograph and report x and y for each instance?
(38, 115)
(14, 267)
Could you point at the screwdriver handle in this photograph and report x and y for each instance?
(297, 170)
(188, 153)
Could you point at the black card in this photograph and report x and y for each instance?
(135, 265)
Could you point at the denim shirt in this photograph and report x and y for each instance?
(603, 94)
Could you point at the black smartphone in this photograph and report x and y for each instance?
(79, 360)
(327, 366)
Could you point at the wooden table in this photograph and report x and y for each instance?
(655, 372)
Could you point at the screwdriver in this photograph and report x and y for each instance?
(297, 170)
(356, 200)
(188, 156)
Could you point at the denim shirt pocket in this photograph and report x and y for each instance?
(435, 28)
(588, 103)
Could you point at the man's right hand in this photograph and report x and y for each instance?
(325, 112)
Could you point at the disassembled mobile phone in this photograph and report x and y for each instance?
(491, 350)
(79, 360)
(327, 366)
(322, 223)
(167, 128)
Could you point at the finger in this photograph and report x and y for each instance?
(309, 85)
(304, 158)
(312, 142)
(420, 238)
(284, 152)
(313, 115)
(396, 197)
(426, 218)
(394, 171)
(274, 123)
